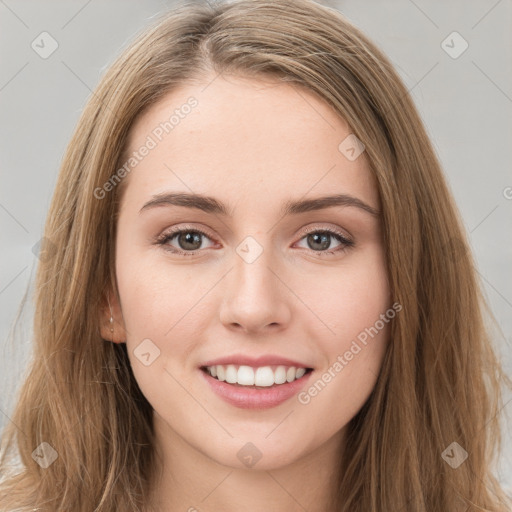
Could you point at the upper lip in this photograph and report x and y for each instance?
(264, 360)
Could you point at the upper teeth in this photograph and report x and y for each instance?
(261, 376)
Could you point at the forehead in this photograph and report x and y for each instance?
(244, 141)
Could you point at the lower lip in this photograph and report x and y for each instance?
(246, 397)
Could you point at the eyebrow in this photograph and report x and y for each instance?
(209, 204)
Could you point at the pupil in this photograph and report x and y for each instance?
(187, 238)
(322, 239)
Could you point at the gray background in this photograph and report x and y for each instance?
(466, 104)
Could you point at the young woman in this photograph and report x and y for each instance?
(257, 292)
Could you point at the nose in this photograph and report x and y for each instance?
(256, 299)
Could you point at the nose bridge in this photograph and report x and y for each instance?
(254, 296)
(252, 275)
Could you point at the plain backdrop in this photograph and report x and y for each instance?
(463, 94)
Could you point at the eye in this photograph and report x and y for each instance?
(318, 240)
(189, 240)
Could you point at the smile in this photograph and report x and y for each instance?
(262, 376)
(255, 387)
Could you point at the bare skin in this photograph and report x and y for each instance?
(253, 146)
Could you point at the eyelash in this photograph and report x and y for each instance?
(166, 237)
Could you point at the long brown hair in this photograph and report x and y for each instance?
(440, 381)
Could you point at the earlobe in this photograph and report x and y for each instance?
(112, 324)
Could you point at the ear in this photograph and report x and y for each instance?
(114, 330)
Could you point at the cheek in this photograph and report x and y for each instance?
(349, 298)
(160, 330)
(144, 301)
(154, 293)
(355, 305)
(163, 314)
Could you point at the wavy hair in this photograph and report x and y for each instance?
(440, 380)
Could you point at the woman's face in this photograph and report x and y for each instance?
(278, 280)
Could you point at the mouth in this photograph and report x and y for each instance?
(261, 377)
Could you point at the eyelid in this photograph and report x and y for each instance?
(314, 228)
(170, 233)
(308, 229)
(187, 227)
